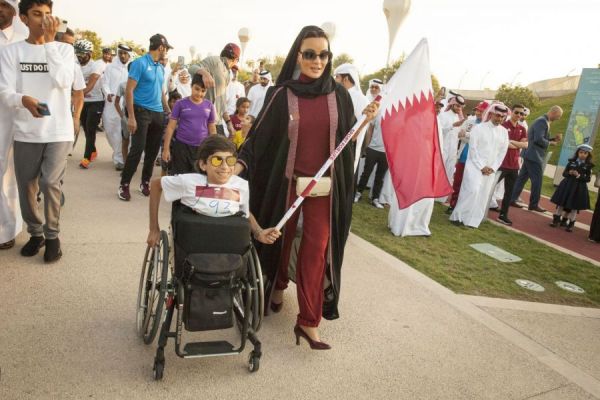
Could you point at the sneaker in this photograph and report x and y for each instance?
(33, 246)
(357, 197)
(377, 204)
(53, 252)
(93, 156)
(145, 188)
(504, 219)
(449, 210)
(124, 192)
(84, 163)
(119, 167)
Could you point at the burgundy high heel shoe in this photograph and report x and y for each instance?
(299, 332)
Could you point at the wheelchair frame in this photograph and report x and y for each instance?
(166, 291)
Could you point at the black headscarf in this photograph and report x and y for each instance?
(324, 85)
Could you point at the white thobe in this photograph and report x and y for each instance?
(450, 135)
(114, 75)
(487, 148)
(360, 102)
(11, 222)
(256, 95)
(235, 90)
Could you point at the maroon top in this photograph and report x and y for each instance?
(313, 134)
(236, 122)
(517, 133)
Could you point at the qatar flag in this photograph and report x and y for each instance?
(410, 132)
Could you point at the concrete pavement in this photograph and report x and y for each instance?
(68, 329)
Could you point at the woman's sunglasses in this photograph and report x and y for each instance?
(217, 161)
(311, 55)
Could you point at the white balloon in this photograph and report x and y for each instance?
(244, 35)
(329, 28)
(395, 12)
(193, 51)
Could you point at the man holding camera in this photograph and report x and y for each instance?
(36, 76)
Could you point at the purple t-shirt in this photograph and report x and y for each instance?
(193, 120)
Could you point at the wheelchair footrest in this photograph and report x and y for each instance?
(200, 349)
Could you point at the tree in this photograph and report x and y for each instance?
(274, 65)
(137, 48)
(342, 59)
(92, 37)
(511, 95)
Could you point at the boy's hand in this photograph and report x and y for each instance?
(166, 155)
(268, 236)
(50, 25)
(153, 237)
(32, 105)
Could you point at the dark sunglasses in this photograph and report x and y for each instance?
(217, 161)
(518, 113)
(311, 55)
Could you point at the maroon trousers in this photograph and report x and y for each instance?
(458, 177)
(310, 266)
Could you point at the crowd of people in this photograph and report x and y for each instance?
(258, 140)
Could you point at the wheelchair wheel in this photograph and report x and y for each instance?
(153, 289)
(258, 297)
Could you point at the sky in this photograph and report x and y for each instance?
(473, 44)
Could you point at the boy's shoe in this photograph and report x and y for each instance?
(33, 246)
(93, 156)
(504, 219)
(53, 252)
(84, 163)
(124, 192)
(357, 197)
(377, 204)
(145, 188)
(555, 221)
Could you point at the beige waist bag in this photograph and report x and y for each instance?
(322, 188)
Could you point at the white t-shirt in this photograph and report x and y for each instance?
(45, 72)
(94, 67)
(213, 200)
(79, 83)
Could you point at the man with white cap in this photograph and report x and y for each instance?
(235, 90)
(487, 147)
(451, 120)
(114, 75)
(10, 214)
(347, 75)
(257, 93)
(375, 86)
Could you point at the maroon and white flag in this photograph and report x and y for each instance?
(410, 132)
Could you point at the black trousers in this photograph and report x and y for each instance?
(145, 140)
(373, 158)
(90, 119)
(183, 158)
(510, 177)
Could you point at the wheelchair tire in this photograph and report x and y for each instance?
(153, 289)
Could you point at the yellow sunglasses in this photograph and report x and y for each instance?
(217, 161)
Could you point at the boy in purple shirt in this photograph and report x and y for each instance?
(194, 117)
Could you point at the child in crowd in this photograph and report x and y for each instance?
(194, 117)
(241, 121)
(572, 194)
(215, 191)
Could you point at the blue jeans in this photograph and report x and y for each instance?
(530, 170)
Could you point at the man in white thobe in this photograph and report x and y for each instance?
(347, 75)
(257, 93)
(114, 74)
(487, 147)
(11, 30)
(451, 120)
(235, 91)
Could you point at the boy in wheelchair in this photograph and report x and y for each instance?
(215, 191)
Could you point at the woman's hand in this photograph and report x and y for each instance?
(371, 111)
(268, 236)
(153, 237)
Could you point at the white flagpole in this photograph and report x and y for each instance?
(358, 126)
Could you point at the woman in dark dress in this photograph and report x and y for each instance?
(304, 117)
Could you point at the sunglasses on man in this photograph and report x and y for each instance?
(311, 55)
(519, 112)
(217, 161)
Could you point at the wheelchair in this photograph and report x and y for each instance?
(207, 271)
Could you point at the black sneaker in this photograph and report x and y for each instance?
(449, 210)
(124, 192)
(33, 246)
(53, 252)
(145, 188)
(504, 219)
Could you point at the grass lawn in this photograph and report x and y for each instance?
(447, 258)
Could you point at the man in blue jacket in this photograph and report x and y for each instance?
(538, 138)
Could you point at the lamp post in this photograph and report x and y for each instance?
(244, 36)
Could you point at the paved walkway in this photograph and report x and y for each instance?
(67, 329)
